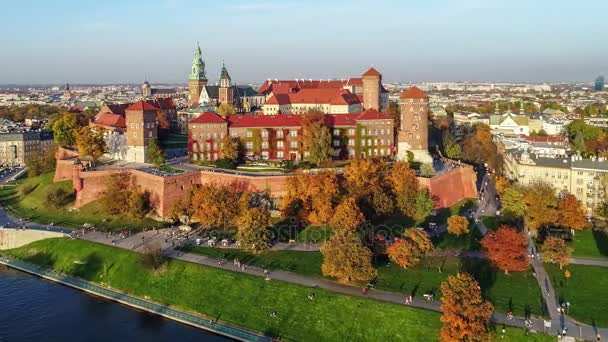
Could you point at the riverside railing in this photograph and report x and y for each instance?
(159, 309)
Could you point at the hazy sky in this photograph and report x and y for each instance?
(119, 41)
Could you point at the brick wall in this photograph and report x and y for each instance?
(447, 189)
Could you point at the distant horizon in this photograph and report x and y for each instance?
(125, 42)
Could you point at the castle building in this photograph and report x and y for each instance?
(413, 131)
(278, 137)
(141, 128)
(331, 96)
(226, 91)
(198, 79)
(148, 92)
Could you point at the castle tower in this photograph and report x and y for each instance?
(372, 80)
(413, 132)
(141, 127)
(197, 79)
(146, 90)
(226, 91)
(66, 90)
(522, 111)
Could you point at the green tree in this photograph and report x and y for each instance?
(424, 204)
(426, 170)
(253, 229)
(155, 154)
(91, 142)
(512, 200)
(40, 162)
(64, 129)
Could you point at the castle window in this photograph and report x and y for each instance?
(280, 144)
(249, 145)
(351, 131)
(280, 133)
(265, 133)
(293, 133)
(280, 154)
(336, 131)
(149, 134)
(293, 144)
(249, 134)
(234, 134)
(411, 100)
(336, 143)
(265, 144)
(422, 109)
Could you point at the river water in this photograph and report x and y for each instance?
(34, 309)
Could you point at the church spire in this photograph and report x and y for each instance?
(198, 66)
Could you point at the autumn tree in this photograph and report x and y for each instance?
(556, 251)
(512, 200)
(458, 225)
(411, 249)
(225, 109)
(345, 258)
(182, 210)
(123, 196)
(253, 229)
(232, 149)
(507, 249)
(311, 197)
(316, 137)
(465, 314)
(366, 181)
(405, 186)
(479, 147)
(501, 183)
(154, 154)
(91, 142)
(541, 204)
(64, 129)
(571, 213)
(347, 216)
(215, 206)
(40, 162)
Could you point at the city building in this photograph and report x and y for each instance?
(470, 119)
(278, 137)
(242, 97)
(148, 92)
(17, 147)
(509, 123)
(599, 83)
(198, 78)
(329, 96)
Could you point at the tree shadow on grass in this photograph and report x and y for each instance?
(601, 241)
(87, 268)
(480, 269)
(41, 259)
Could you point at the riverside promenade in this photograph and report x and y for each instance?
(197, 321)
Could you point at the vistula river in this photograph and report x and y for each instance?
(34, 309)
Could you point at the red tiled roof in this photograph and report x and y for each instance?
(372, 114)
(163, 103)
(372, 72)
(77, 109)
(333, 96)
(413, 93)
(110, 120)
(341, 119)
(118, 108)
(208, 117)
(142, 105)
(292, 86)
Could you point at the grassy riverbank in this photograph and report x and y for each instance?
(242, 299)
(28, 200)
(517, 292)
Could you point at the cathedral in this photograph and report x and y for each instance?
(201, 94)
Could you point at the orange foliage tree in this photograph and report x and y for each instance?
(366, 181)
(501, 183)
(555, 250)
(215, 205)
(458, 225)
(410, 250)
(465, 313)
(541, 203)
(507, 249)
(405, 186)
(347, 215)
(345, 258)
(311, 197)
(571, 213)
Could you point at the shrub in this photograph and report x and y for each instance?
(226, 164)
(59, 197)
(152, 258)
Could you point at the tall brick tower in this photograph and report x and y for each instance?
(226, 90)
(141, 127)
(372, 80)
(197, 79)
(413, 132)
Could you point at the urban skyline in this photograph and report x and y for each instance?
(436, 41)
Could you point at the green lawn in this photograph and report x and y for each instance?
(585, 290)
(516, 292)
(243, 299)
(591, 244)
(35, 207)
(466, 242)
(168, 168)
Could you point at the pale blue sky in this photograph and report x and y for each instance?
(114, 41)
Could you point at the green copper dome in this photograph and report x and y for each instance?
(198, 66)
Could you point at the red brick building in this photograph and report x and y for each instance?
(278, 137)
